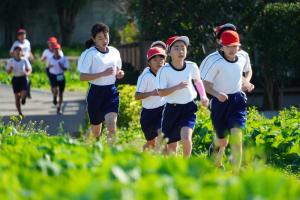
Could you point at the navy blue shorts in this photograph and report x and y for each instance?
(57, 80)
(100, 101)
(151, 122)
(19, 83)
(176, 116)
(229, 114)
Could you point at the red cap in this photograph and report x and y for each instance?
(52, 40)
(154, 51)
(230, 38)
(173, 39)
(158, 42)
(21, 31)
(55, 46)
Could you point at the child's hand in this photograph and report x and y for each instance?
(120, 74)
(247, 86)
(222, 97)
(108, 71)
(204, 101)
(183, 84)
(154, 93)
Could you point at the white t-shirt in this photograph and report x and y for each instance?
(26, 48)
(168, 77)
(146, 83)
(19, 66)
(47, 54)
(225, 75)
(93, 61)
(56, 69)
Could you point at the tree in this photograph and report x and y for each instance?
(16, 14)
(67, 10)
(276, 34)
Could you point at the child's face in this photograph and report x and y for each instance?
(156, 62)
(50, 44)
(56, 52)
(18, 53)
(230, 51)
(178, 51)
(21, 37)
(101, 40)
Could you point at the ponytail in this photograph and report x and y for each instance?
(89, 43)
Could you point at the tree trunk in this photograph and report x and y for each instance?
(66, 23)
(268, 85)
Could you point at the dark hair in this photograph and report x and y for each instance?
(97, 28)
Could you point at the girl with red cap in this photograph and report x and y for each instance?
(222, 77)
(48, 53)
(100, 65)
(174, 83)
(152, 103)
(57, 65)
(20, 68)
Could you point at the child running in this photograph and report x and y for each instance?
(100, 65)
(57, 66)
(174, 83)
(152, 103)
(48, 53)
(223, 80)
(20, 68)
(24, 43)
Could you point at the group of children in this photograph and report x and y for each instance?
(19, 66)
(168, 90)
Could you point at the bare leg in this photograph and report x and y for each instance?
(96, 130)
(17, 102)
(172, 148)
(237, 148)
(149, 145)
(111, 123)
(222, 143)
(186, 138)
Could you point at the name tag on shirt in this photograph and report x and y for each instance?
(60, 77)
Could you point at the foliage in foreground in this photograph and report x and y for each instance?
(36, 166)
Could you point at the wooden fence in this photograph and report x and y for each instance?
(135, 54)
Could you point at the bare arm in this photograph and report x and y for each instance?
(144, 95)
(168, 91)
(209, 89)
(248, 75)
(9, 70)
(90, 77)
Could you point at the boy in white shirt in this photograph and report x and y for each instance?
(152, 103)
(20, 68)
(57, 66)
(222, 77)
(174, 83)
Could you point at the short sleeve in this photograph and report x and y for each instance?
(161, 79)
(65, 62)
(27, 63)
(119, 61)
(195, 72)
(9, 64)
(210, 74)
(12, 47)
(247, 66)
(142, 83)
(44, 54)
(85, 62)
